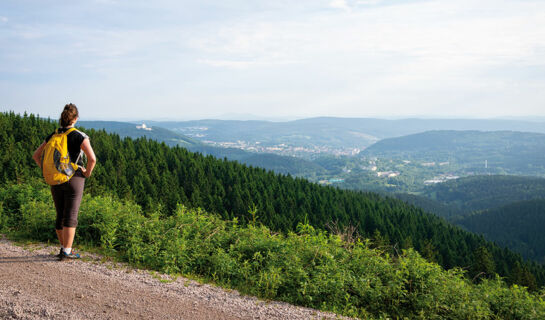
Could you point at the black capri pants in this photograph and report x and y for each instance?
(67, 198)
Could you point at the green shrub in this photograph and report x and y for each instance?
(513, 302)
(308, 267)
(14, 196)
(38, 220)
(100, 220)
(3, 218)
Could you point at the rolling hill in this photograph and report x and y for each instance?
(334, 132)
(496, 152)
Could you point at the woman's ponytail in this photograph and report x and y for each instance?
(68, 115)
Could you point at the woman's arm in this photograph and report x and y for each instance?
(91, 158)
(37, 156)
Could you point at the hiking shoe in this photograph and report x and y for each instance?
(71, 255)
(60, 254)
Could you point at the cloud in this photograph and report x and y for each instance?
(3, 19)
(357, 56)
(369, 2)
(107, 2)
(244, 64)
(339, 4)
(424, 32)
(228, 63)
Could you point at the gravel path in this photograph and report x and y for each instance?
(35, 285)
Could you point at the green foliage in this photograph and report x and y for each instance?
(37, 215)
(483, 265)
(307, 267)
(37, 219)
(3, 218)
(158, 177)
(513, 302)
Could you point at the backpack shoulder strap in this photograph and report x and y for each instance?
(69, 130)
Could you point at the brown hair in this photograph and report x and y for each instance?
(68, 115)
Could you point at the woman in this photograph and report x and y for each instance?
(67, 196)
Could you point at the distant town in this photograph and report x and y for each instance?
(286, 149)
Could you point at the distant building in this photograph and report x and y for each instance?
(387, 174)
(441, 179)
(433, 181)
(143, 127)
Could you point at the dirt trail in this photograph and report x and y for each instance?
(35, 285)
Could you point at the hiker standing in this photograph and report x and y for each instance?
(60, 158)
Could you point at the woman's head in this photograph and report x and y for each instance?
(69, 115)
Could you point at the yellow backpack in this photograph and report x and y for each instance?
(56, 165)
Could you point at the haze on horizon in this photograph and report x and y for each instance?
(274, 59)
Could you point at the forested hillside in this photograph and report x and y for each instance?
(486, 192)
(156, 175)
(518, 226)
(447, 211)
(508, 210)
(483, 152)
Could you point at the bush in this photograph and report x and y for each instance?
(3, 218)
(14, 196)
(308, 267)
(38, 220)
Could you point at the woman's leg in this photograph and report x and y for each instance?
(58, 198)
(68, 234)
(60, 236)
(72, 201)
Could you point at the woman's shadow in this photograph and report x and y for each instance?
(31, 258)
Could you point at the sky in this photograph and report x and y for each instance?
(279, 59)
